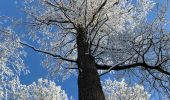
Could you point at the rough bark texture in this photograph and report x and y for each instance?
(88, 79)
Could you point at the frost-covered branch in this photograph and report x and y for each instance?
(48, 53)
(124, 67)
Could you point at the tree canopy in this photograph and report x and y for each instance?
(90, 39)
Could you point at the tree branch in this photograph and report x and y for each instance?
(123, 67)
(94, 15)
(48, 53)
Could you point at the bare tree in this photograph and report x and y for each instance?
(90, 35)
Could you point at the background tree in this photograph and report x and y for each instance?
(103, 35)
(41, 90)
(12, 65)
(115, 90)
(11, 56)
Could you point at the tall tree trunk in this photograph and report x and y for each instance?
(88, 79)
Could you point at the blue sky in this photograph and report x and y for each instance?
(33, 59)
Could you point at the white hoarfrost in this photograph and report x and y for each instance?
(43, 89)
(115, 90)
(11, 66)
(11, 56)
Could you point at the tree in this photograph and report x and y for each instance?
(104, 35)
(41, 90)
(11, 66)
(11, 56)
(110, 35)
(115, 90)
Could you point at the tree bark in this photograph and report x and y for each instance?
(89, 85)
